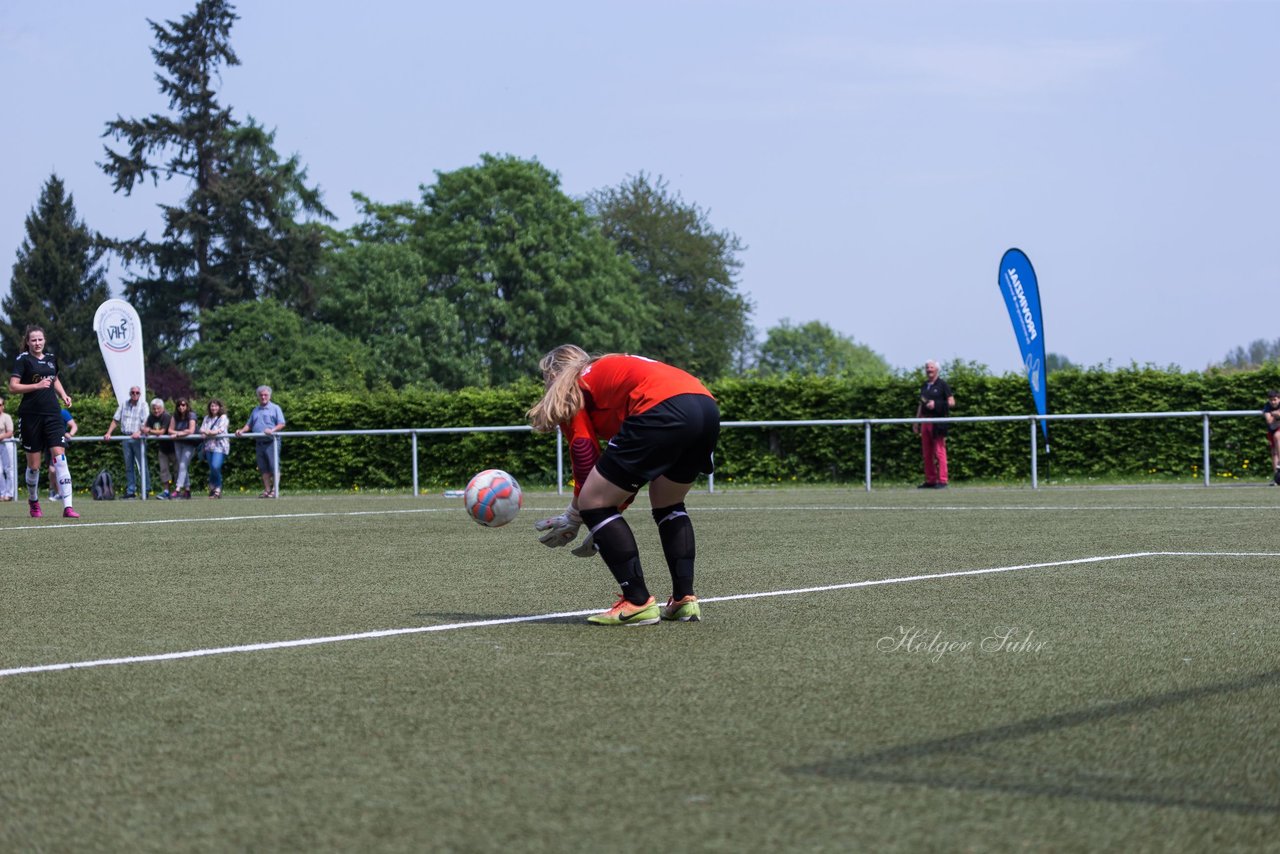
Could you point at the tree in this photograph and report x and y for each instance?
(686, 270)
(264, 249)
(235, 236)
(1258, 353)
(250, 343)
(817, 349)
(1058, 362)
(376, 292)
(524, 266)
(58, 283)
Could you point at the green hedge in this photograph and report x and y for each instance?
(1122, 448)
(1000, 451)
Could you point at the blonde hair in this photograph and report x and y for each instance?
(562, 400)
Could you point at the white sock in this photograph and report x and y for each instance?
(33, 484)
(64, 478)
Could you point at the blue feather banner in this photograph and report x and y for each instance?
(1022, 297)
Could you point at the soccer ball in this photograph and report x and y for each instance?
(493, 498)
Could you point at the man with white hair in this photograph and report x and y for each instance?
(130, 416)
(265, 418)
(936, 401)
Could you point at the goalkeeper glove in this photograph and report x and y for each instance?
(559, 530)
(587, 548)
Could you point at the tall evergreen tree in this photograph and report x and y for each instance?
(58, 282)
(686, 270)
(236, 236)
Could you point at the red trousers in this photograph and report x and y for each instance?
(934, 449)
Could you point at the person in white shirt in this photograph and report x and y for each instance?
(8, 486)
(216, 444)
(130, 418)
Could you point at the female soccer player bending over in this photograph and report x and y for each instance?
(661, 425)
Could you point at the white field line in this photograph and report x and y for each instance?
(529, 618)
(531, 511)
(71, 526)
(1020, 508)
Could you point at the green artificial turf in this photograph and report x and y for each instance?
(1133, 704)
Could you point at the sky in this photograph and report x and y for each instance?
(876, 158)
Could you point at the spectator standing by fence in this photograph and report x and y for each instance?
(216, 444)
(936, 401)
(1271, 415)
(185, 441)
(130, 417)
(265, 418)
(8, 484)
(158, 425)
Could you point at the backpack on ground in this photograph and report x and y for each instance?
(103, 489)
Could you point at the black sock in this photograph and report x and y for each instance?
(618, 548)
(676, 532)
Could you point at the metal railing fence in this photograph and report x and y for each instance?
(8, 446)
(1032, 420)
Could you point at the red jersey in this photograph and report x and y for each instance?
(613, 388)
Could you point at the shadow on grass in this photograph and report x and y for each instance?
(942, 762)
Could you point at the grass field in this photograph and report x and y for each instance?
(974, 670)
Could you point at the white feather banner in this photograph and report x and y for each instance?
(120, 339)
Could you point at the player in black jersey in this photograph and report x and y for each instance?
(35, 377)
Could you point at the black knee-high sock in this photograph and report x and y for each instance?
(618, 548)
(676, 532)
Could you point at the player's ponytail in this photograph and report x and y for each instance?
(560, 371)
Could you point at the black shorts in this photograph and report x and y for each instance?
(674, 439)
(42, 432)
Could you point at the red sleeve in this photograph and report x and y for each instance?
(584, 448)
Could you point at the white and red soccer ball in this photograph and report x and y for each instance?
(493, 498)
